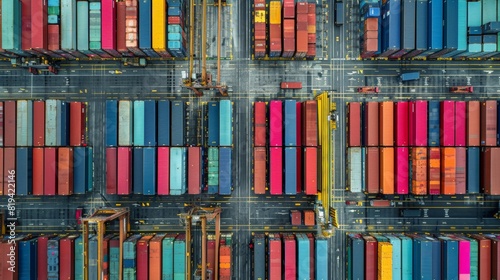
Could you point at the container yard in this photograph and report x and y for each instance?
(253, 139)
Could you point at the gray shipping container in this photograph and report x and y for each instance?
(68, 24)
(82, 9)
(51, 121)
(125, 123)
(259, 257)
(354, 170)
(408, 12)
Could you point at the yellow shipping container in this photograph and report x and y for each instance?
(384, 261)
(275, 12)
(159, 32)
(260, 16)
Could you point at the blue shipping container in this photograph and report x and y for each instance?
(164, 123)
(259, 257)
(79, 170)
(391, 27)
(24, 174)
(138, 170)
(225, 171)
(177, 171)
(226, 123)
(290, 122)
(149, 171)
(93, 258)
(434, 118)
(421, 28)
(321, 256)
(89, 168)
(435, 27)
(63, 125)
(150, 123)
(178, 123)
(422, 258)
(79, 258)
(396, 257)
(408, 14)
(111, 123)
(436, 257)
(53, 258)
(213, 123)
(138, 123)
(473, 155)
(450, 258)
(28, 253)
(290, 170)
(356, 260)
(458, 27)
(129, 246)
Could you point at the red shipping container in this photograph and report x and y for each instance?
(295, 217)
(370, 34)
(311, 50)
(163, 170)
(26, 24)
(275, 39)
(10, 123)
(473, 123)
(311, 39)
(419, 171)
(38, 178)
(124, 170)
(259, 129)
(370, 45)
(194, 170)
(447, 123)
(299, 123)
(371, 124)
(2, 178)
(300, 168)
(311, 170)
(448, 168)
(402, 170)
(386, 123)
(461, 170)
(491, 176)
(1, 123)
(53, 37)
(260, 31)
(371, 257)
(310, 123)
(460, 124)
(38, 123)
(42, 264)
(418, 123)
(259, 172)
(5, 250)
(302, 43)
(39, 25)
(276, 170)
(372, 170)
(67, 259)
(275, 258)
(65, 171)
(111, 171)
(260, 48)
(488, 123)
(9, 169)
(290, 253)
(371, 24)
(120, 27)
(288, 10)
(495, 258)
(50, 171)
(302, 8)
(276, 123)
(311, 18)
(354, 127)
(288, 46)
(401, 123)
(484, 263)
(105, 253)
(211, 257)
(387, 170)
(143, 257)
(259, 4)
(77, 124)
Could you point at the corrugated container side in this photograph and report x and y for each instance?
(311, 170)
(473, 163)
(354, 126)
(259, 257)
(276, 170)
(213, 123)
(290, 261)
(434, 123)
(150, 123)
(178, 127)
(179, 254)
(473, 127)
(124, 174)
(387, 170)
(290, 170)
(461, 171)
(77, 123)
(448, 171)
(177, 171)
(10, 123)
(484, 248)
(149, 172)
(260, 124)
(402, 170)
(125, 123)
(163, 171)
(138, 129)
(259, 171)
(50, 171)
(194, 170)
(371, 261)
(488, 123)
(464, 259)
(67, 263)
(111, 123)
(65, 171)
(491, 178)
(225, 123)
(460, 123)
(447, 125)
(225, 171)
(356, 257)
(401, 123)
(79, 170)
(370, 124)
(354, 173)
(450, 258)
(138, 173)
(434, 171)
(321, 251)
(290, 123)
(82, 25)
(418, 123)
(274, 251)
(419, 171)
(111, 171)
(372, 170)
(2, 117)
(167, 267)
(310, 123)
(275, 123)
(163, 123)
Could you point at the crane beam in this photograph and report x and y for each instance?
(219, 40)
(204, 44)
(191, 42)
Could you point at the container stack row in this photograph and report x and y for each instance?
(419, 256)
(429, 29)
(287, 29)
(290, 135)
(81, 29)
(51, 123)
(290, 256)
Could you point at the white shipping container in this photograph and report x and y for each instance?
(354, 170)
(125, 123)
(51, 122)
(68, 24)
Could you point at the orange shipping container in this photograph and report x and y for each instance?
(448, 169)
(434, 171)
(370, 35)
(419, 171)
(386, 126)
(371, 24)
(311, 18)
(309, 218)
(387, 170)
(371, 124)
(259, 171)
(65, 171)
(155, 254)
(372, 170)
(473, 123)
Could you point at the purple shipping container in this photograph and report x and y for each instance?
(460, 124)
(401, 120)
(402, 172)
(447, 125)
(418, 123)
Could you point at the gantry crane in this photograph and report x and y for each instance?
(205, 82)
(203, 215)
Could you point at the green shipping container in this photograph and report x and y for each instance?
(95, 45)
(179, 259)
(53, 11)
(79, 258)
(129, 274)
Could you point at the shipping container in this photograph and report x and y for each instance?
(488, 123)
(155, 257)
(179, 256)
(213, 170)
(401, 115)
(473, 127)
(125, 123)
(163, 170)
(28, 254)
(65, 171)
(10, 123)
(461, 171)
(62, 126)
(12, 27)
(213, 123)
(418, 123)
(145, 28)
(163, 129)
(138, 113)
(448, 171)
(386, 126)
(138, 172)
(290, 123)
(143, 257)
(159, 27)
(82, 18)
(225, 123)
(391, 26)
(259, 170)
(372, 170)
(274, 29)
(288, 37)
(150, 123)
(276, 170)
(484, 254)
(407, 28)
(53, 258)
(37, 165)
(311, 170)
(79, 170)
(225, 171)
(371, 249)
(371, 124)
(275, 256)
(387, 170)
(2, 117)
(354, 124)
(447, 125)
(111, 170)
(473, 161)
(260, 124)
(178, 123)
(111, 123)
(491, 182)
(24, 123)
(275, 123)
(290, 162)
(450, 257)
(421, 16)
(195, 167)
(124, 170)
(460, 123)
(178, 171)
(434, 171)
(167, 267)
(401, 176)
(356, 257)
(310, 123)
(67, 263)
(259, 257)
(23, 175)
(149, 172)
(77, 123)
(354, 169)
(290, 262)
(50, 171)
(434, 123)
(419, 171)
(422, 258)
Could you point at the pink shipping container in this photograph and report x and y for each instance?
(275, 123)
(371, 124)
(124, 185)
(290, 253)
(402, 170)
(401, 123)
(460, 124)
(463, 260)
(163, 171)
(461, 170)
(108, 27)
(447, 123)
(276, 170)
(418, 123)
(473, 123)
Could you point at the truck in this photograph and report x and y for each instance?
(368, 89)
(339, 13)
(462, 89)
(409, 76)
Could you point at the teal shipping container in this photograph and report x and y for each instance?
(226, 123)
(114, 258)
(303, 256)
(396, 256)
(489, 11)
(406, 257)
(125, 129)
(11, 26)
(68, 25)
(213, 170)
(129, 247)
(79, 258)
(82, 24)
(138, 123)
(177, 171)
(167, 266)
(321, 256)
(92, 270)
(180, 257)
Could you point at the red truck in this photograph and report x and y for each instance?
(368, 90)
(462, 89)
